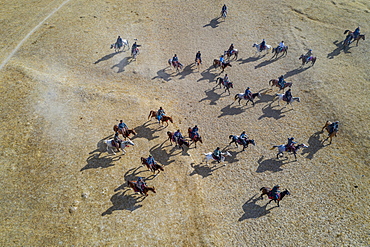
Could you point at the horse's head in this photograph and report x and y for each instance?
(252, 142)
(226, 154)
(301, 57)
(302, 146)
(297, 99)
(170, 118)
(254, 45)
(115, 128)
(128, 142)
(169, 133)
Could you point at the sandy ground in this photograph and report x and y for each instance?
(64, 89)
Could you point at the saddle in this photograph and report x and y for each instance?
(216, 158)
(273, 196)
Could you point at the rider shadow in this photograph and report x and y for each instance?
(187, 70)
(122, 64)
(145, 131)
(162, 74)
(264, 63)
(94, 161)
(213, 23)
(229, 111)
(314, 145)
(338, 50)
(248, 60)
(161, 155)
(271, 164)
(207, 75)
(124, 201)
(253, 210)
(211, 96)
(204, 170)
(269, 112)
(295, 71)
(106, 57)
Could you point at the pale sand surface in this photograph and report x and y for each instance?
(64, 89)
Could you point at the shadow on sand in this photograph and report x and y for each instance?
(253, 210)
(273, 164)
(205, 170)
(213, 23)
(124, 201)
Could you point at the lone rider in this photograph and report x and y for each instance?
(308, 54)
(288, 95)
(150, 160)
(356, 33)
(119, 41)
(175, 60)
(222, 60)
(247, 93)
(281, 82)
(224, 9)
(217, 154)
(231, 48)
(262, 45)
(177, 136)
(134, 47)
(198, 56)
(122, 126)
(160, 113)
(243, 138)
(140, 184)
(290, 145)
(281, 46)
(333, 127)
(275, 192)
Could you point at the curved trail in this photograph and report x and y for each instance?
(29, 34)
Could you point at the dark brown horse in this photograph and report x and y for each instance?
(234, 53)
(152, 168)
(306, 59)
(153, 114)
(237, 141)
(194, 138)
(227, 85)
(275, 82)
(250, 98)
(145, 191)
(361, 36)
(217, 63)
(124, 132)
(278, 50)
(331, 129)
(180, 141)
(266, 191)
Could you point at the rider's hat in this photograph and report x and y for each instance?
(277, 186)
(248, 87)
(150, 155)
(218, 147)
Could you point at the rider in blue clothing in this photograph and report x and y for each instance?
(243, 138)
(150, 160)
(281, 81)
(160, 113)
(122, 125)
(247, 93)
(177, 136)
(194, 131)
(217, 154)
(140, 184)
(356, 33)
(275, 192)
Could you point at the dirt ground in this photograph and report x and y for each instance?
(63, 90)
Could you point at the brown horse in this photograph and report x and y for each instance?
(227, 85)
(195, 138)
(234, 53)
(275, 82)
(217, 63)
(152, 168)
(145, 191)
(124, 132)
(332, 130)
(361, 36)
(198, 63)
(306, 59)
(179, 142)
(266, 191)
(163, 119)
(278, 50)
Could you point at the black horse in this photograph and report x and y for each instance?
(266, 191)
(235, 139)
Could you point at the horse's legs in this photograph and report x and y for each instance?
(239, 100)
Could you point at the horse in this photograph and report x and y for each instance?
(111, 144)
(217, 63)
(223, 14)
(267, 48)
(278, 50)
(266, 191)
(117, 46)
(180, 141)
(331, 131)
(281, 97)
(220, 81)
(361, 36)
(163, 119)
(282, 148)
(195, 138)
(177, 65)
(240, 96)
(154, 167)
(135, 53)
(275, 82)
(347, 41)
(145, 191)
(306, 60)
(124, 132)
(234, 53)
(237, 141)
(209, 156)
(198, 63)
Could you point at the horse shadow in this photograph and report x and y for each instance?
(122, 64)
(208, 75)
(204, 170)
(230, 111)
(161, 154)
(253, 210)
(145, 131)
(106, 57)
(162, 74)
(124, 201)
(295, 71)
(213, 23)
(264, 63)
(272, 164)
(95, 161)
(314, 145)
(338, 50)
(270, 112)
(248, 60)
(187, 70)
(231, 159)
(211, 96)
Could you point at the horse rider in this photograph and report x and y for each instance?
(224, 9)
(281, 46)
(177, 136)
(119, 41)
(247, 93)
(262, 45)
(290, 145)
(194, 132)
(117, 141)
(160, 113)
(150, 160)
(217, 154)
(281, 81)
(243, 138)
(356, 33)
(222, 60)
(175, 60)
(134, 47)
(308, 54)
(230, 50)
(333, 127)
(288, 95)
(122, 126)
(140, 184)
(198, 56)
(226, 80)
(275, 192)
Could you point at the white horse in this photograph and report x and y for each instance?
(117, 46)
(282, 149)
(240, 96)
(110, 146)
(267, 48)
(282, 98)
(209, 156)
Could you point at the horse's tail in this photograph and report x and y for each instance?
(270, 81)
(262, 188)
(230, 136)
(150, 114)
(236, 97)
(346, 31)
